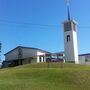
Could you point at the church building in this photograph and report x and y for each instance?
(26, 55)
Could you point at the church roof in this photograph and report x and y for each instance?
(26, 48)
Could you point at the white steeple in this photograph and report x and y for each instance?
(70, 39)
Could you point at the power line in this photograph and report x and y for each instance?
(25, 23)
(40, 25)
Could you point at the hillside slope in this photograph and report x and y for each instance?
(39, 77)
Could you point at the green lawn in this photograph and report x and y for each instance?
(39, 77)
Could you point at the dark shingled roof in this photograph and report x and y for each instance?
(26, 48)
(84, 54)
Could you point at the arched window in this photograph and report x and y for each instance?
(68, 38)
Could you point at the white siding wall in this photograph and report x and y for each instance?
(84, 59)
(81, 59)
(75, 43)
(25, 54)
(71, 48)
(42, 59)
(12, 55)
(29, 52)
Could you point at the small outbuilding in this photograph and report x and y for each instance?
(84, 58)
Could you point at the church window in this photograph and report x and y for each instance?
(68, 38)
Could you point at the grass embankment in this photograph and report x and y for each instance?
(39, 77)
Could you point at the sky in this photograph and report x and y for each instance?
(39, 24)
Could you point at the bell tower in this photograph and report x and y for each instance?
(70, 39)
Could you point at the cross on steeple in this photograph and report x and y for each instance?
(68, 8)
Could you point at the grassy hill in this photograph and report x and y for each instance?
(39, 77)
